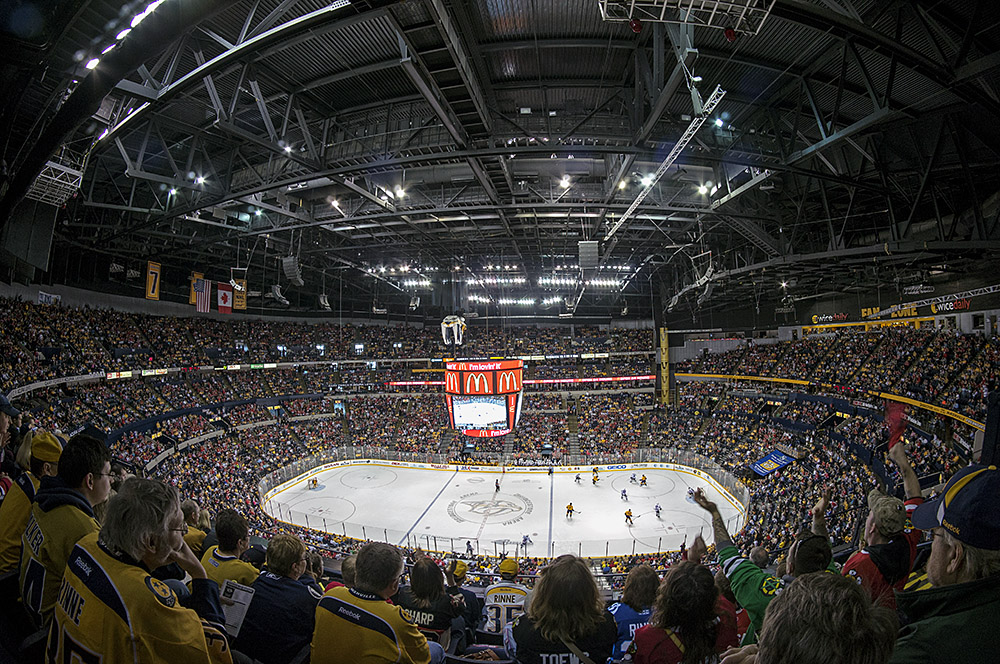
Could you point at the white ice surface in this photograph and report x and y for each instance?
(416, 505)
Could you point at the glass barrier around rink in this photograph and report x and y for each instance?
(450, 543)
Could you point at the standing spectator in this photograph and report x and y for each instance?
(111, 608)
(691, 621)
(504, 600)
(62, 513)
(223, 562)
(565, 618)
(16, 506)
(358, 624)
(279, 621)
(956, 620)
(195, 536)
(429, 603)
(884, 564)
(632, 612)
(753, 587)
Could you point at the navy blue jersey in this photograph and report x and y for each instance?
(628, 620)
(279, 621)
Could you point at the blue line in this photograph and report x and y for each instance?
(552, 484)
(429, 505)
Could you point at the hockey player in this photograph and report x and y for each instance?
(569, 511)
(624, 495)
(468, 548)
(657, 509)
(577, 479)
(594, 480)
(497, 486)
(525, 541)
(628, 517)
(642, 481)
(632, 479)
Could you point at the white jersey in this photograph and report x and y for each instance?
(503, 602)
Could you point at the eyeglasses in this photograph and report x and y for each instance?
(182, 529)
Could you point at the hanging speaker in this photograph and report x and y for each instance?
(324, 302)
(293, 272)
(588, 253)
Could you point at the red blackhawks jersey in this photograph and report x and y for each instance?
(882, 568)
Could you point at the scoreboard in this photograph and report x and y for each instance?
(484, 397)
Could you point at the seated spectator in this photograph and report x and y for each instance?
(346, 573)
(429, 604)
(691, 621)
(111, 608)
(16, 506)
(61, 514)
(884, 564)
(279, 621)
(313, 576)
(753, 587)
(565, 618)
(358, 624)
(195, 536)
(504, 600)
(956, 620)
(223, 562)
(632, 612)
(823, 619)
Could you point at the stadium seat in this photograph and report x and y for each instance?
(488, 638)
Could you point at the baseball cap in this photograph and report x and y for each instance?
(7, 408)
(460, 569)
(890, 513)
(508, 566)
(967, 508)
(813, 553)
(46, 447)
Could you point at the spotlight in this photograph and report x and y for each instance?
(621, 185)
(718, 122)
(564, 183)
(92, 63)
(647, 180)
(173, 192)
(636, 25)
(199, 180)
(702, 190)
(288, 149)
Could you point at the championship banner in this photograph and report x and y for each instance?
(240, 295)
(193, 296)
(772, 462)
(152, 281)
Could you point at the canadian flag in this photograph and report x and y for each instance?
(225, 298)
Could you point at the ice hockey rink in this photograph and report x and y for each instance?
(442, 507)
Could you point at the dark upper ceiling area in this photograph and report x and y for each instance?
(458, 152)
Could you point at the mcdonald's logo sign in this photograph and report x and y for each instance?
(477, 383)
(509, 381)
(452, 382)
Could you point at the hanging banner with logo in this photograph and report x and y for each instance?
(152, 281)
(240, 295)
(771, 463)
(193, 296)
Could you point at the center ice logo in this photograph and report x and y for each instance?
(492, 507)
(475, 507)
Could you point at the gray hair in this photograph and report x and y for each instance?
(137, 516)
(978, 563)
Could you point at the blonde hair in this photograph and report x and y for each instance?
(566, 604)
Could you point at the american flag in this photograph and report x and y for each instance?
(202, 295)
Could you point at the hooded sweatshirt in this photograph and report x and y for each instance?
(60, 516)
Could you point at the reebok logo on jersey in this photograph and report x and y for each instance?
(350, 614)
(82, 566)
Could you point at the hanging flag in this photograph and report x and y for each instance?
(894, 417)
(240, 295)
(203, 295)
(152, 281)
(225, 298)
(195, 276)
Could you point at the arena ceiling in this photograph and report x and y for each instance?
(459, 151)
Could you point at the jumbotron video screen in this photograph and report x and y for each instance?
(484, 397)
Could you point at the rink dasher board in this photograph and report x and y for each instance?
(513, 470)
